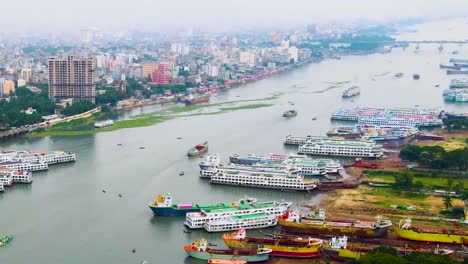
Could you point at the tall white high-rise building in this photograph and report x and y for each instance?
(247, 57)
(293, 53)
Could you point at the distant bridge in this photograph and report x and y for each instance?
(432, 41)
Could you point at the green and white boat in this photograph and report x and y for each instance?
(5, 240)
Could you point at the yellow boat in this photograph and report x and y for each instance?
(338, 249)
(281, 247)
(404, 230)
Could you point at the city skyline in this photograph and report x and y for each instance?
(210, 15)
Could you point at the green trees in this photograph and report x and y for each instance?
(78, 108)
(453, 125)
(381, 258)
(436, 157)
(404, 182)
(111, 96)
(174, 88)
(447, 196)
(12, 112)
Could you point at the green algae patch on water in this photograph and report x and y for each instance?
(131, 123)
(77, 128)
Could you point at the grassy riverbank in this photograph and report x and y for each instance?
(82, 126)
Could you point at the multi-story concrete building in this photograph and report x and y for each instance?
(161, 75)
(72, 78)
(247, 57)
(21, 82)
(26, 74)
(147, 69)
(8, 87)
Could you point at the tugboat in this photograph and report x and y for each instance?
(290, 113)
(198, 150)
(5, 240)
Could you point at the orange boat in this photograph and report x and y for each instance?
(226, 261)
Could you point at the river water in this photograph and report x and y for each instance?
(64, 217)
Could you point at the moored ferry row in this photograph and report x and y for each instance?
(10, 176)
(270, 180)
(298, 140)
(48, 157)
(301, 164)
(374, 132)
(199, 219)
(347, 148)
(416, 120)
(24, 166)
(355, 113)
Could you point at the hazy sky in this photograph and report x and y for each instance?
(48, 15)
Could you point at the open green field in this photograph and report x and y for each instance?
(449, 144)
(429, 181)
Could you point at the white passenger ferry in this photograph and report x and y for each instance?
(49, 157)
(7, 155)
(459, 83)
(298, 140)
(22, 176)
(346, 148)
(104, 123)
(6, 177)
(15, 176)
(24, 166)
(416, 121)
(198, 219)
(254, 168)
(250, 221)
(271, 180)
(210, 161)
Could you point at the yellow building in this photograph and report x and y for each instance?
(8, 87)
(147, 69)
(247, 57)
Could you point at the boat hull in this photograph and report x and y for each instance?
(278, 250)
(168, 211)
(430, 237)
(343, 254)
(198, 153)
(299, 228)
(209, 255)
(241, 184)
(197, 101)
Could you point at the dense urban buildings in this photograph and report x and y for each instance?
(72, 78)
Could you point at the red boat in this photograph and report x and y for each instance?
(198, 150)
(363, 164)
(424, 136)
(333, 185)
(197, 99)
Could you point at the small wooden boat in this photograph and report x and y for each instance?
(5, 240)
(198, 150)
(200, 250)
(290, 113)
